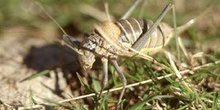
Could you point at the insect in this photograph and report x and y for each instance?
(124, 38)
(126, 34)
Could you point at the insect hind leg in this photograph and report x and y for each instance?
(141, 42)
(131, 9)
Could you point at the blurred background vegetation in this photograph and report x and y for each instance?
(76, 13)
(79, 16)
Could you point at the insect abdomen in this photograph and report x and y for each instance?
(132, 29)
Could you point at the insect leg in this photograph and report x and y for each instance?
(198, 18)
(131, 9)
(124, 48)
(140, 43)
(105, 70)
(108, 16)
(122, 77)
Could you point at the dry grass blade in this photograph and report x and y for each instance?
(177, 72)
(146, 81)
(128, 86)
(182, 47)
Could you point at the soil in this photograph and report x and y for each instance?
(22, 56)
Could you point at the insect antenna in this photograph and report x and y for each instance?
(67, 39)
(44, 10)
(71, 43)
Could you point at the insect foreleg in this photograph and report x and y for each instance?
(141, 42)
(105, 78)
(122, 77)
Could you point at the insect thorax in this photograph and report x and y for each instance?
(94, 46)
(124, 32)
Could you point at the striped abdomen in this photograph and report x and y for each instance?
(132, 29)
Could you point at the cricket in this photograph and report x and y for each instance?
(126, 37)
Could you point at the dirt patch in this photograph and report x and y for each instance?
(23, 56)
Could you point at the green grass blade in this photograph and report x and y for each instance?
(42, 73)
